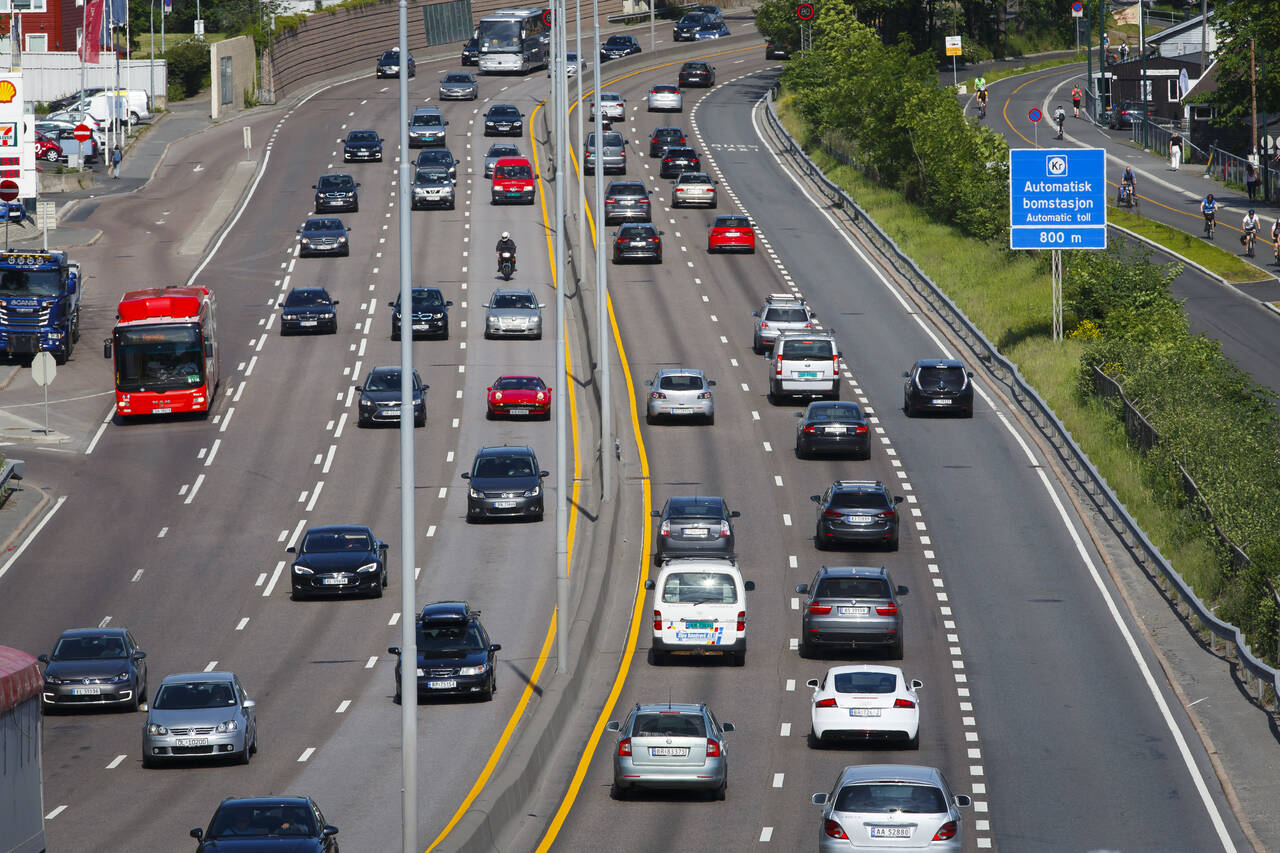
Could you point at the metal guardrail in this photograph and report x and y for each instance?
(13, 469)
(1154, 136)
(1232, 169)
(1085, 475)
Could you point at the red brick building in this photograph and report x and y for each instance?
(51, 25)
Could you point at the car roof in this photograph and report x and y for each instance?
(714, 564)
(655, 707)
(504, 107)
(192, 677)
(853, 572)
(939, 362)
(286, 800)
(92, 632)
(426, 110)
(684, 175)
(510, 291)
(504, 450)
(686, 500)
(446, 611)
(678, 371)
(342, 528)
(890, 773)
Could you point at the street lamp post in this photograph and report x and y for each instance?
(152, 52)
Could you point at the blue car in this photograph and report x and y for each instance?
(15, 211)
(711, 30)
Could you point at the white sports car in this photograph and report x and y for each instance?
(866, 703)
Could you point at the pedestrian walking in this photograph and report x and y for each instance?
(1175, 150)
(1251, 180)
(1076, 95)
(116, 156)
(1124, 51)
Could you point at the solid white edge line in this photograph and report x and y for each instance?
(57, 505)
(1130, 642)
(101, 429)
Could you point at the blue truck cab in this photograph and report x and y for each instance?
(39, 304)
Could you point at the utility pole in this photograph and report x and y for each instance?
(564, 478)
(152, 52)
(602, 283)
(1142, 46)
(653, 44)
(1253, 104)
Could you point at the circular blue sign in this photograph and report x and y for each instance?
(1077, 7)
(1034, 114)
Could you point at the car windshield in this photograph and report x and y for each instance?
(504, 112)
(391, 57)
(31, 282)
(452, 636)
(383, 380)
(786, 315)
(519, 383)
(257, 821)
(192, 695)
(859, 500)
(431, 176)
(695, 509)
(427, 299)
(932, 377)
(306, 299)
(865, 682)
(503, 151)
(513, 300)
(428, 120)
(681, 382)
(618, 41)
(806, 350)
(89, 648)
(834, 412)
(699, 588)
(692, 19)
(889, 797)
(329, 542)
(503, 466)
(694, 178)
(335, 182)
(362, 136)
(322, 225)
(520, 171)
(459, 78)
(732, 222)
(668, 724)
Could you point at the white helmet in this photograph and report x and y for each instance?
(506, 235)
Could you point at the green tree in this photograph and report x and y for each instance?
(776, 20)
(1237, 22)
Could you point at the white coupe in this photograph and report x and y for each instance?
(866, 703)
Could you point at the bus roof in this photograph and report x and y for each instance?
(511, 14)
(162, 303)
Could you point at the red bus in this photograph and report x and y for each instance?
(166, 351)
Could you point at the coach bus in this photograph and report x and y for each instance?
(514, 40)
(165, 344)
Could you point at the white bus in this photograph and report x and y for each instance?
(513, 40)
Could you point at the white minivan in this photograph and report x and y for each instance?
(700, 607)
(804, 365)
(132, 105)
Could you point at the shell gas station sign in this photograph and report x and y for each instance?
(17, 140)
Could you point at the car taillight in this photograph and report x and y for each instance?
(763, 324)
(742, 620)
(657, 395)
(654, 240)
(947, 832)
(610, 200)
(825, 703)
(808, 325)
(682, 140)
(820, 609)
(778, 371)
(888, 513)
(890, 609)
(665, 529)
(835, 363)
(809, 428)
(654, 140)
(657, 620)
(832, 513)
(704, 395)
(668, 160)
(724, 530)
(622, 239)
(904, 703)
(833, 830)
(624, 746)
(860, 430)
(713, 748)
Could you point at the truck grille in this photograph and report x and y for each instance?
(32, 318)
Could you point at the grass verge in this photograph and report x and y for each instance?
(1208, 255)
(1006, 295)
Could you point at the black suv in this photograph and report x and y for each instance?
(616, 47)
(505, 482)
(336, 192)
(430, 314)
(308, 309)
(663, 138)
(455, 656)
(362, 145)
(267, 823)
(697, 74)
(938, 385)
(851, 607)
(687, 25)
(694, 526)
(856, 511)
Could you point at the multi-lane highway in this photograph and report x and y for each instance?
(1040, 697)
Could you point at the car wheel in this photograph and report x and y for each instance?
(757, 347)
(356, 208)
(894, 651)
(967, 413)
(660, 658)
(914, 743)
(835, 391)
(420, 422)
(714, 204)
(816, 742)
(395, 336)
(893, 543)
(244, 756)
(650, 419)
(907, 408)
(136, 703)
(718, 794)
(487, 695)
(737, 659)
(801, 453)
(51, 155)
(362, 422)
(396, 698)
(489, 414)
(148, 761)
(807, 649)
(818, 541)
(711, 419)
(617, 792)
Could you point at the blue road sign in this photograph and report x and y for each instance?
(1057, 198)
(1033, 114)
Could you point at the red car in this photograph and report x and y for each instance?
(519, 396)
(512, 181)
(731, 233)
(47, 149)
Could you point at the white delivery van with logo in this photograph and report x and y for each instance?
(131, 105)
(700, 607)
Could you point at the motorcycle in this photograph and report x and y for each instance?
(506, 265)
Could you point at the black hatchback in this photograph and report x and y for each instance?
(430, 314)
(937, 385)
(677, 159)
(259, 824)
(362, 145)
(833, 427)
(505, 482)
(455, 656)
(94, 666)
(663, 138)
(694, 525)
(308, 309)
(338, 559)
(380, 397)
(856, 511)
(336, 192)
(697, 74)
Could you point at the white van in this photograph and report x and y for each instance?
(132, 105)
(804, 365)
(700, 607)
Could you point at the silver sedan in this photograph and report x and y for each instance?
(459, 86)
(513, 314)
(680, 392)
(665, 98)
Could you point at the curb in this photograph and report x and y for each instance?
(25, 524)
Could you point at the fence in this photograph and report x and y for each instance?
(1231, 169)
(1091, 484)
(1154, 136)
(51, 75)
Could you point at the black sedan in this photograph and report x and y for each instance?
(441, 157)
(937, 385)
(455, 656)
(616, 47)
(259, 824)
(505, 482)
(503, 120)
(637, 240)
(677, 159)
(336, 192)
(833, 427)
(471, 52)
(389, 64)
(776, 50)
(362, 145)
(697, 73)
(323, 235)
(94, 666)
(339, 559)
(308, 309)
(380, 397)
(694, 526)
(430, 314)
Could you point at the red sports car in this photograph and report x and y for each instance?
(47, 149)
(519, 396)
(731, 233)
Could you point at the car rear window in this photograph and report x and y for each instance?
(805, 350)
(696, 509)
(835, 412)
(883, 798)
(699, 587)
(667, 133)
(665, 90)
(733, 222)
(694, 178)
(785, 315)
(629, 190)
(859, 500)
(669, 724)
(853, 588)
(636, 232)
(335, 182)
(865, 682)
(952, 377)
(680, 382)
(503, 151)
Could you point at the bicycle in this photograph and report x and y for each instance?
(1249, 238)
(1126, 196)
(1209, 225)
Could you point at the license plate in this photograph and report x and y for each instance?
(504, 504)
(699, 626)
(308, 322)
(420, 327)
(514, 193)
(682, 410)
(519, 411)
(890, 832)
(941, 402)
(807, 374)
(333, 581)
(732, 234)
(163, 411)
(191, 741)
(669, 751)
(86, 691)
(442, 685)
(858, 519)
(696, 532)
(638, 244)
(864, 712)
(854, 611)
(836, 430)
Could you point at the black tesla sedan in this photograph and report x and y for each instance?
(339, 559)
(455, 656)
(260, 824)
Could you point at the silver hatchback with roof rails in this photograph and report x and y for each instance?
(781, 313)
(670, 745)
(851, 607)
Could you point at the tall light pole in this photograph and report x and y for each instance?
(653, 5)
(560, 92)
(152, 52)
(408, 622)
(582, 197)
(602, 278)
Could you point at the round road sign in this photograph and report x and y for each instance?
(1034, 114)
(82, 133)
(804, 11)
(546, 17)
(1077, 7)
(8, 190)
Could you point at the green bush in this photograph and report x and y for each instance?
(188, 68)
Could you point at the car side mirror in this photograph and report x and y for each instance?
(802, 588)
(728, 727)
(613, 726)
(466, 475)
(328, 831)
(735, 514)
(815, 498)
(902, 590)
(197, 833)
(799, 414)
(249, 703)
(394, 650)
(819, 799)
(916, 684)
(348, 227)
(390, 304)
(963, 800)
(969, 373)
(358, 183)
(897, 499)
(292, 549)
(338, 301)
(749, 586)
(298, 231)
(906, 374)
(313, 186)
(542, 474)
(711, 383)
(657, 513)
(648, 584)
(648, 383)
(812, 682)
(43, 658)
(448, 303)
(542, 305)
(755, 313)
(495, 647)
(138, 655)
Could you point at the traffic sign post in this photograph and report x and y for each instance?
(953, 50)
(46, 218)
(1034, 116)
(43, 369)
(1057, 200)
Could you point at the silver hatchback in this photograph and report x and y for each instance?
(670, 746)
(781, 313)
(513, 313)
(890, 807)
(681, 392)
(665, 98)
(200, 715)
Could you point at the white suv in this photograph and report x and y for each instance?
(700, 607)
(804, 365)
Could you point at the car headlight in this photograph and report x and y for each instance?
(473, 670)
(488, 124)
(476, 493)
(368, 567)
(52, 679)
(306, 241)
(328, 315)
(497, 395)
(492, 321)
(534, 492)
(421, 672)
(301, 570)
(120, 677)
(342, 239)
(227, 726)
(156, 729)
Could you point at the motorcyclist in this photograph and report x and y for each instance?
(506, 244)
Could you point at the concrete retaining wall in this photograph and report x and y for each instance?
(226, 99)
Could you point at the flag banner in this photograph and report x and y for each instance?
(91, 41)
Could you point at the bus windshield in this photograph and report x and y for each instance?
(159, 358)
(26, 282)
(500, 37)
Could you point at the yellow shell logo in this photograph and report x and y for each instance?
(7, 91)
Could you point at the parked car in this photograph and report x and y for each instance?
(890, 807)
(94, 667)
(59, 104)
(338, 559)
(856, 511)
(455, 655)
(938, 385)
(1123, 114)
(308, 309)
(292, 824)
(669, 746)
(200, 715)
(851, 607)
(47, 148)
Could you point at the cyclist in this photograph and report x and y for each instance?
(982, 103)
(1209, 208)
(1076, 95)
(1250, 227)
(1275, 241)
(1128, 185)
(1059, 118)
(980, 83)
